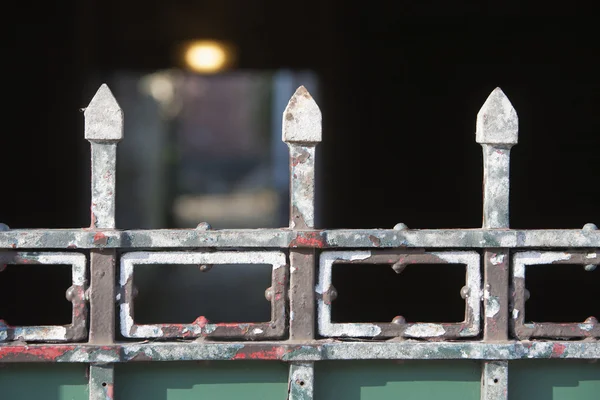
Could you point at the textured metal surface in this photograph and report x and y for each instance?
(301, 381)
(202, 327)
(286, 238)
(494, 380)
(316, 350)
(399, 327)
(102, 382)
(490, 248)
(537, 259)
(77, 330)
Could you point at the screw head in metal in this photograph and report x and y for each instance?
(399, 266)
(464, 292)
(203, 226)
(269, 293)
(205, 267)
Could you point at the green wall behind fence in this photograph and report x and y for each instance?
(335, 380)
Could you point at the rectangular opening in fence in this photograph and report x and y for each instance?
(557, 290)
(466, 325)
(178, 286)
(392, 380)
(42, 296)
(221, 293)
(377, 292)
(248, 380)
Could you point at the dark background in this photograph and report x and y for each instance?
(399, 93)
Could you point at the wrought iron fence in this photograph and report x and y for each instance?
(494, 330)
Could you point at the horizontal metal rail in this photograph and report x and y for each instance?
(315, 350)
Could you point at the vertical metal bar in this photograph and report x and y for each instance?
(302, 132)
(497, 132)
(101, 382)
(301, 381)
(494, 380)
(103, 129)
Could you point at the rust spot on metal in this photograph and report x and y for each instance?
(275, 353)
(558, 349)
(375, 240)
(308, 239)
(300, 158)
(100, 238)
(26, 353)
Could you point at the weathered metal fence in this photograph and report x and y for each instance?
(495, 333)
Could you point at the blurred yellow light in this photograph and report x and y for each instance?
(207, 56)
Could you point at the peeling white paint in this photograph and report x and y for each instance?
(497, 259)
(586, 327)
(515, 313)
(425, 330)
(472, 260)
(326, 327)
(521, 259)
(348, 329)
(257, 331)
(591, 255)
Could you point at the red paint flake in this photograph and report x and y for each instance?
(558, 349)
(275, 353)
(110, 392)
(200, 321)
(47, 353)
(99, 237)
(308, 239)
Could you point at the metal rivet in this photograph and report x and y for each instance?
(269, 293)
(527, 294)
(399, 266)
(70, 293)
(203, 226)
(590, 267)
(590, 227)
(399, 320)
(4, 227)
(591, 320)
(400, 226)
(205, 267)
(464, 292)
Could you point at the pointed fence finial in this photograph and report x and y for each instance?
(497, 130)
(103, 129)
(302, 133)
(497, 121)
(302, 119)
(103, 117)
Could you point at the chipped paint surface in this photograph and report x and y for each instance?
(496, 131)
(314, 351)
(326, 327)
(300, 382)
(424, 330)
(75, 331)
(521, 259)
(286, 238)
(494, 380)
(587, 329)
(201, 326)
